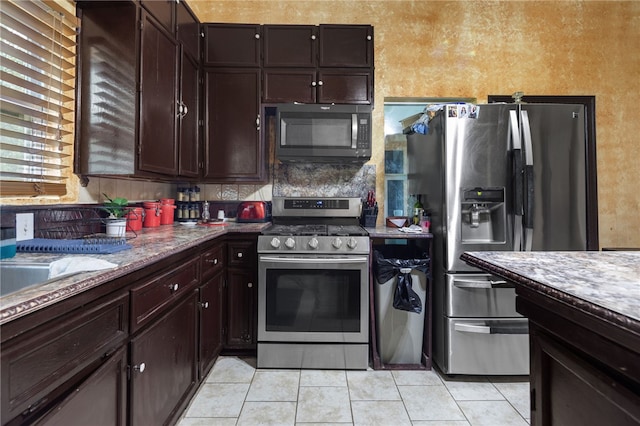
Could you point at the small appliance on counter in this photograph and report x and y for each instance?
(254, 212)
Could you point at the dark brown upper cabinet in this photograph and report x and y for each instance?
(158, 149)
(346, 46)
(189, 114)
(290, 46)
(233, 151)
(163, 10)
(324, 64)
(232, 45)
(138, 90)
(188, 30)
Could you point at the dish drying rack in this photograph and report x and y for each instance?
(76, 230)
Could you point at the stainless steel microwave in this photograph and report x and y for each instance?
(323, 133)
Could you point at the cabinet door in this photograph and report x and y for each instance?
(211, 322)
(188, 29)
(234, 45)
(241, 293)
(290, 45)
(158, 85)
(163, 362)
(189, 129)
(346, 86)
(346, 46)
(289, 85)
(99, 400)
(39, 366)
(162, 10)
(233, 149)
(242, 308)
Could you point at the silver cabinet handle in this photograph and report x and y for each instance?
(257, 36)
(313, 37)
(369, 37)
(214, 261)
(173, 287)
(320, 83)
(250, 285)
(239, 255)
(204, 305)
(140, 368)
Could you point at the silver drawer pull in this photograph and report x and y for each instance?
(204, 305)
(482, 284)
(494, 327)
(239, 255)
(214, 261)
(472, 328)
(140, 368)
(173, 287)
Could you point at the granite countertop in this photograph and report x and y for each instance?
(606, 284)
(149, 246)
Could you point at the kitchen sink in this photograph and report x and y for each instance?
(16, 276)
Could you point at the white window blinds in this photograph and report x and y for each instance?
(37, 65)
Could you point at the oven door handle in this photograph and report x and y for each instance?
(314, 260)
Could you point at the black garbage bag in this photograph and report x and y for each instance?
(404, 298)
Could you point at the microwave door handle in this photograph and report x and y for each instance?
(354, 131)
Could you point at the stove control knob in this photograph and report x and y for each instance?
(275, 242)
(290, 243)
(313, 243)
(352, 243)
(337, 243)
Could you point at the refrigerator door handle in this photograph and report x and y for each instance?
(518, 184)
(529, 198)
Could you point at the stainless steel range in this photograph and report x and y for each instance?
(313, 286)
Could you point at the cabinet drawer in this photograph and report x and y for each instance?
(241, 254)
(479, 295)
(150, 298)
(35, 369)
(212, 261)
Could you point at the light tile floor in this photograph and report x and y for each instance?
(236, 393)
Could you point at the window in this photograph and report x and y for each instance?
(37, 66)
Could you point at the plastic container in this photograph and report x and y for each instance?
(135, 219)
(400, 332)
(151, 214)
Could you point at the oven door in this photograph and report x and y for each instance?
(313, 298)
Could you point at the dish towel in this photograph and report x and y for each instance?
(413, 229)
(75, 264)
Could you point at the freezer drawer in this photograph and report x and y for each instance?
(487, 346)
(479, 295)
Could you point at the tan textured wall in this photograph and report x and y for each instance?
(474, 48)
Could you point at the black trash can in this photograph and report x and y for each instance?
(400, 294)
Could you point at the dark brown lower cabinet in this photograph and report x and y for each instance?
(163, 365)
(242, 294)
(585, 368)
(212, 314)
(99, 400)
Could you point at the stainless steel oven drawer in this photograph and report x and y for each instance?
(479, 295)
(487, 346)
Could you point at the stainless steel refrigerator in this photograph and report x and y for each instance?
(495, 177)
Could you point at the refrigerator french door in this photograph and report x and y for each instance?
(495, 177)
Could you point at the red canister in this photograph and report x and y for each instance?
(134, 219)
(167, 208)
(151, 214)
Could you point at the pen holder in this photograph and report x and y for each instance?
(369, 217)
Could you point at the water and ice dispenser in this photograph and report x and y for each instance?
(484, 217)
